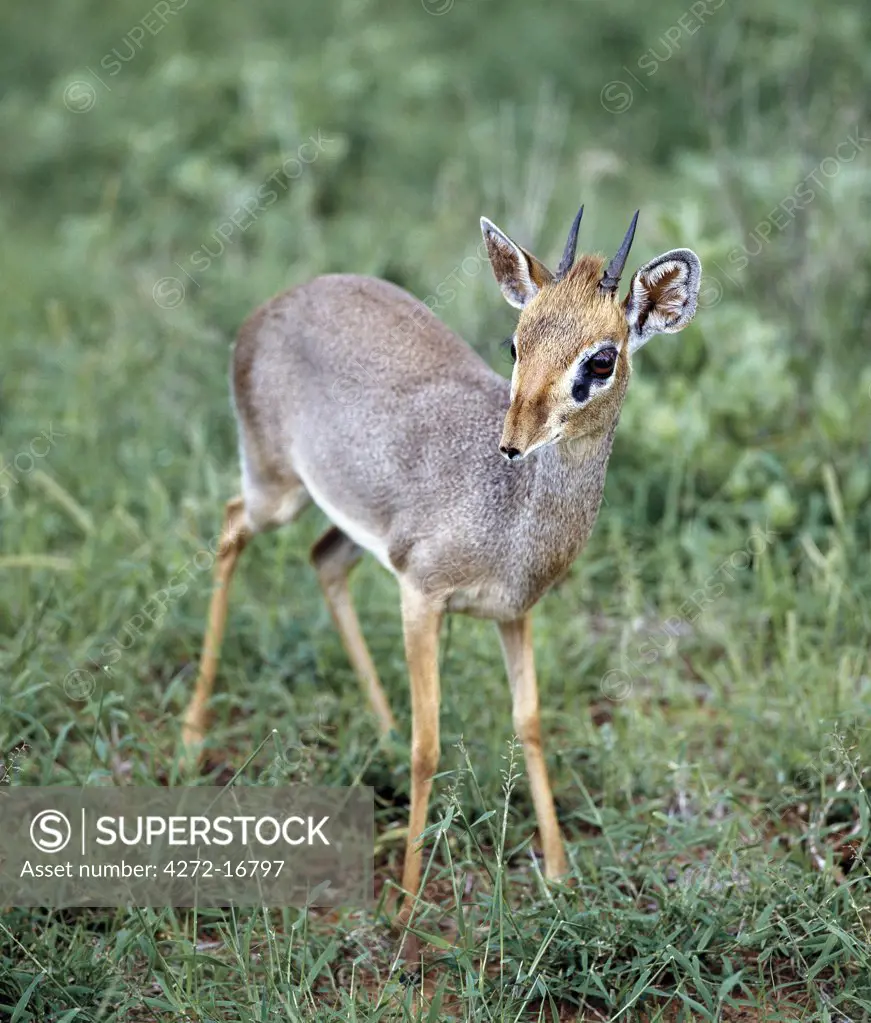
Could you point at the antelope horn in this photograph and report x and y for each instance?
(571, 246)
(611, 276)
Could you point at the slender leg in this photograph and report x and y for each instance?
(516, 640)
(234, 535)
(420, 623)
(334, 555)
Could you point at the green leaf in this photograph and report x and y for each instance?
(433, 939)
(727, 985)
(319, 963)
(20, 1012)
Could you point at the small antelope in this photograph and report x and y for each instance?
(406, 464)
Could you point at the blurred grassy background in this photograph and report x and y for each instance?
(133, 138)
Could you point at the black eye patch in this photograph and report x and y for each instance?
(597, 367)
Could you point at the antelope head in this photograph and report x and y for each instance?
(574, 339)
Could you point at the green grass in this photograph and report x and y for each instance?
(704, 669)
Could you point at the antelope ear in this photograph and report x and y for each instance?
(518, 273)
(662, 296)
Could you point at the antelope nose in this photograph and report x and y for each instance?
(510, 453)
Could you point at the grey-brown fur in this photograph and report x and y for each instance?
(414, 458)
(349, 392)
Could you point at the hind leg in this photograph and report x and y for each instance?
(333, 556)
(243, 518)
(234, 535)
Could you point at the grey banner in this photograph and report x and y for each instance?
(195, 846)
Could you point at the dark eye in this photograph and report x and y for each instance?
(597, 367)
(601, 365)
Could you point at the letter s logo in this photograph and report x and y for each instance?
(50, 831)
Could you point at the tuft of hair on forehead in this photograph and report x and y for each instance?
(587, 271)
(580, 286)
(569, 315)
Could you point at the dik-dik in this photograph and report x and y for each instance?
(476, 493)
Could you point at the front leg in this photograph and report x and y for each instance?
(516, 638)
(421, 621)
